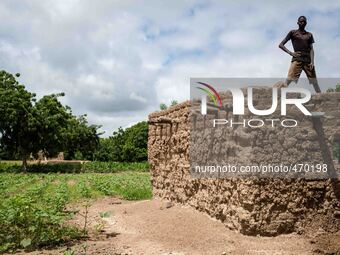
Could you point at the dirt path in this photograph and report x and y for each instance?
(149, 227)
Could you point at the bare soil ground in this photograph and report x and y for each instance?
(158, 227)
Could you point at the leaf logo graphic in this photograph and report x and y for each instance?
(212, 93)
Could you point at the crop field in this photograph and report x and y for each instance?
(33, 206)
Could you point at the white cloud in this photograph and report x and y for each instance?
(118, 60)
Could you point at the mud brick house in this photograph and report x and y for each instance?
(265, 206)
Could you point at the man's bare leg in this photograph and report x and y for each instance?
(314, 81)
(316, 87)
(283, 84)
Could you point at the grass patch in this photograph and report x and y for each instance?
(32, 206)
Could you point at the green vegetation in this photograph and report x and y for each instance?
(163, 106)
(336, 89)
(74, 167)
(113, 167)
(81, 139)
(174, 102)
(28, 125)
(33, 206)
(129, 145)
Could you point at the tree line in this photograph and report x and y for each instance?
(29, 126)
(129, 145)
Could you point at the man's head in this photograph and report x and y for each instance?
(302, 22)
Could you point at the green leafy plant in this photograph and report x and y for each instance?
(33, 207)
(163, 106)
(336, 89)
(174, 102)
(105, 214)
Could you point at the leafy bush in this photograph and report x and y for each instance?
(75, 167)
(6, 167)
(113, 167)
(336, 89)
(60, 167)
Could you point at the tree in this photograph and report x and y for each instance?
(118, 140)
(28, 126)
(125, 145)
(104, 151)
(51, 122)
(135, 143)
(18, 124)
(81, 138)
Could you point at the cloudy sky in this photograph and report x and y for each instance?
(118, 60)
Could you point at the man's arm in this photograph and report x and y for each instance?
(283, 47)
(311, 56)
(311, 41)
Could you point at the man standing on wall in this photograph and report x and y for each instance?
(303, 55)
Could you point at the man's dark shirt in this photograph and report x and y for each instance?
(302, 41)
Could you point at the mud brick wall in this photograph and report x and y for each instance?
(265, 206)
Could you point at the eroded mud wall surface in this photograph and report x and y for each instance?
(264, 206)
